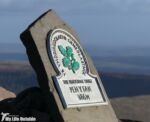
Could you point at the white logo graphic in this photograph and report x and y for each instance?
(6, 117)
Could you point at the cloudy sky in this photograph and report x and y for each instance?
(98, 22)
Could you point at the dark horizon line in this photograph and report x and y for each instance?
(87, 45)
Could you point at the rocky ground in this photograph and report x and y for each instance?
(4, 94)
(16, 77)
(128, 109)
(132, 108)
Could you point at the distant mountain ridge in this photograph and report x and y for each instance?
(17, 76)
(130, 60)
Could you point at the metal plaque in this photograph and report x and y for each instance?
(77, 87)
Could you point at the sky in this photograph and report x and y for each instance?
(97, 22)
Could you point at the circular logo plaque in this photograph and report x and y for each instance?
(77, 87)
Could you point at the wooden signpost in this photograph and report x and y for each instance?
(66, 74)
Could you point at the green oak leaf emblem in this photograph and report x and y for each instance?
(69, 61)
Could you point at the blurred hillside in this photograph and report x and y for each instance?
(17, 76)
